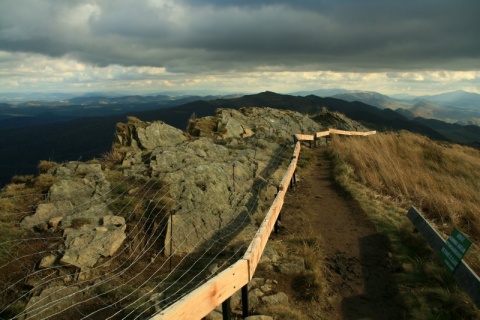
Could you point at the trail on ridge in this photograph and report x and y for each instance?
(357, 260)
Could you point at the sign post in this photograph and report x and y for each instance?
(466, 278)
(454, 249)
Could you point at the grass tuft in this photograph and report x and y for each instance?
(44, 165)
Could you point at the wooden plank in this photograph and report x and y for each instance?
(322, 134)
(304, 137)
(351, 133)
(201, 301)
(296, 151)
(255, 250)
(464, 275)
(342, 132)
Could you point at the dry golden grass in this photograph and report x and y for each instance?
(202, 127)
(112, 158)
(44, 165)
(441, 180)
(44, 181)
(17, 200)
(311, 285)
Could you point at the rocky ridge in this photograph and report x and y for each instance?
(184, 189)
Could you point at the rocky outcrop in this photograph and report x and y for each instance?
(77, 204)
(246, 122)
(200, 191)
(81, 192)
(236, 158)
(219, 183)
(336, 120)
(148, 135)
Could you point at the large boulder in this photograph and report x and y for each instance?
(80, 192)
(50, 303)
(45, 212)
(86, 245)
(148, 135)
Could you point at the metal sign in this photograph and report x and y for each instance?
(454, 249)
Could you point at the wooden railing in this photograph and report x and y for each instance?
(204, 299)
(315, 137)
(348, 133)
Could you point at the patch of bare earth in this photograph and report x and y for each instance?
(357, 265)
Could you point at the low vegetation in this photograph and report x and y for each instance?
(17, 200)
(306, 289)
(45, 165)
(387, 173)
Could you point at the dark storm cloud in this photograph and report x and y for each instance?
(201, 36)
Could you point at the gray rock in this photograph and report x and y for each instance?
(45, 212)
(294, 265)
(256, 283)
(47, 261)
(55, 222)
(86, 168)
(115, 221)
(253, 301)
(256, 292)
(236, 299)
(232, 123)
(269, 255)
(148, 135)
(278, 298)
(50, 302)
(85, 246)
(214, 315)
(74, 190)
(266, 288)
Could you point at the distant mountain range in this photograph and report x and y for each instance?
(31, 113)
(455, 107)
(459, 98)
(21, 97)
(84, 127)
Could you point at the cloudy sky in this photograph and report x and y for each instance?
(410, 46)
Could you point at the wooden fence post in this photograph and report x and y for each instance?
(226, 310)
(245, 301)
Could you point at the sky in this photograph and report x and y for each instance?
(245, 46)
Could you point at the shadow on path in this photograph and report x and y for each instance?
(378, 301)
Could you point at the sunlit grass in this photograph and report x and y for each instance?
(387, 173)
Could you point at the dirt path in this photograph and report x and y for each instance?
(357, 256)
